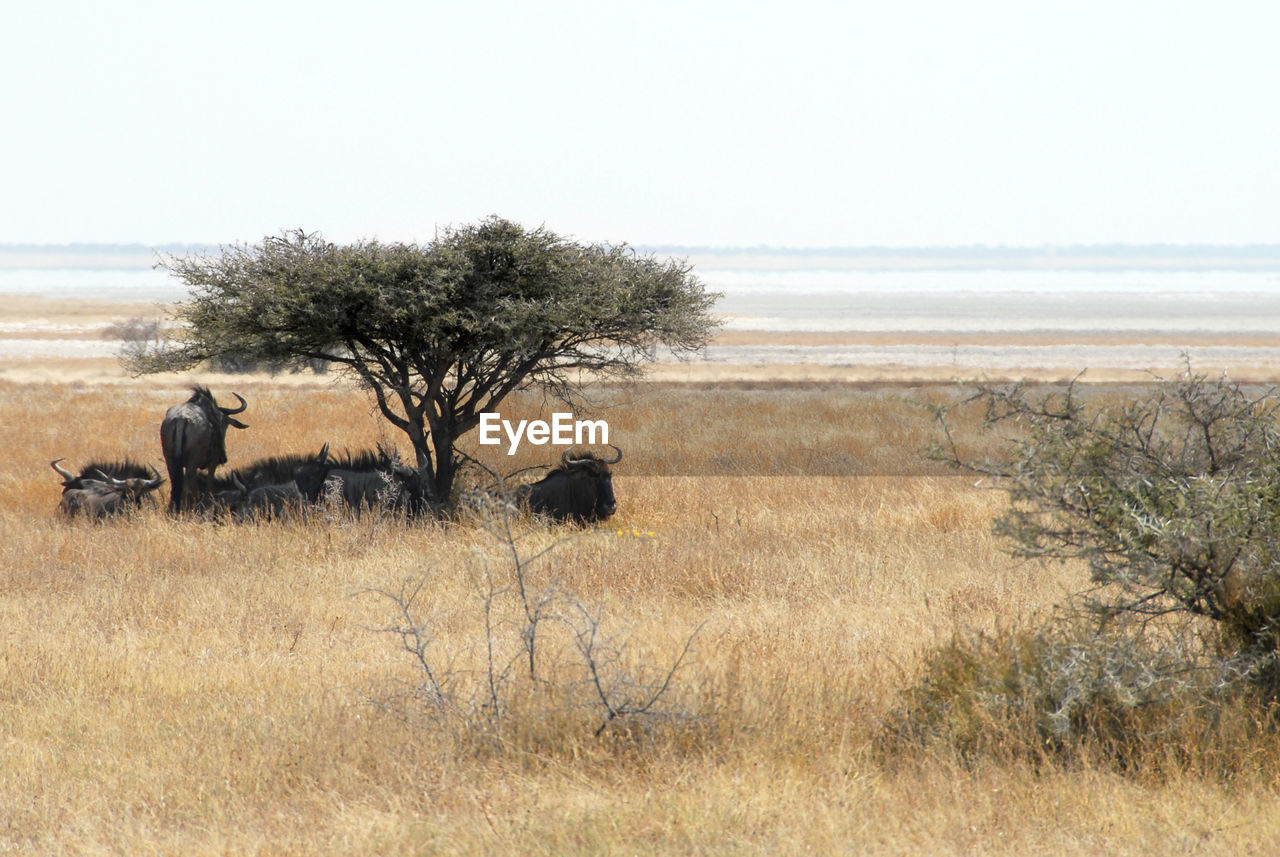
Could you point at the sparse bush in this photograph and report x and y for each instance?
(137, 335)
(1173, 501)
(242, 363)
(1120, 694)
(544, 654)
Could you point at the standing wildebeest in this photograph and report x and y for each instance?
(105, 490)
(193, 437)
(580, 489)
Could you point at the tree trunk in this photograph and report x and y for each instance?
(418, 437)
(435, 459)
(444, 466)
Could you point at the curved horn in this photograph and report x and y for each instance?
(614, 460)
(156, 481)
(566, 461)
(62, 471)
(111, 480)
(230, 411)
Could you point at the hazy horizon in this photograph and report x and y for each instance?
(1189, 249)
(1094, 257)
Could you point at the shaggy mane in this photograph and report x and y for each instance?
(123, 469)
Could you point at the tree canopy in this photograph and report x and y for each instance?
(439, 332)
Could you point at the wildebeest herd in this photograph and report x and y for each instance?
(193, 440)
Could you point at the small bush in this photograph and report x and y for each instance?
(544, 656)
(1122, 694)
(137, 335)
(1171, 498)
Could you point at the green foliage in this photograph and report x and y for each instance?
(1172, 498)
(442, 332)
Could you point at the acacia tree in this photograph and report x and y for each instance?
(441, 332)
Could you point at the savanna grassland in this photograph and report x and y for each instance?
(190, 687)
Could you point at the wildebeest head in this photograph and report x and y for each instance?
(193, 437)
(105, 489)
(580, 489)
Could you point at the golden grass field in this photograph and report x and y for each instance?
(189, 688)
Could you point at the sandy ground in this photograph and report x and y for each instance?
(43, 340)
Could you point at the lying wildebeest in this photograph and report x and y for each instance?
(266, 502)
(103, 490)
(274, 487)
(193, 438)
(377, 481)
(580, 489)
(307, 471)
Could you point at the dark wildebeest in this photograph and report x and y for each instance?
(274, 488)
(308, 471)
(377, 481)
(580, 489)
(193, 438)
(266, 502)
(103, 490)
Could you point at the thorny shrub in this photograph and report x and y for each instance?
(1172, 499)
(542, 667)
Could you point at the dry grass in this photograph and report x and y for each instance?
(176, 687)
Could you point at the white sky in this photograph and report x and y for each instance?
(792, 123)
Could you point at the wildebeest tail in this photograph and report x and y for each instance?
(173, 439)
